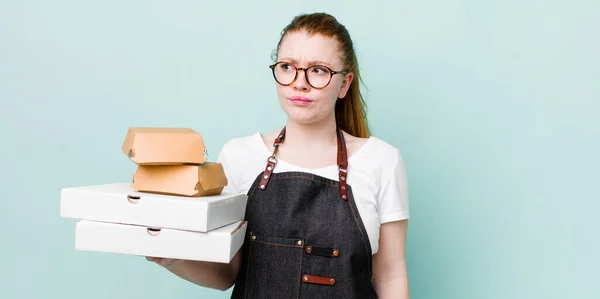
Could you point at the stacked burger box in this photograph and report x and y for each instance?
(175, 206)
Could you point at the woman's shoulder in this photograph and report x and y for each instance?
(242, 140)
(376, 149)
(244, 145)
(380, 177)
(385, 148)
(379, 160)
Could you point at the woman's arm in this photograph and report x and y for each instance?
(218, 276)
(390, 277)
(211, 275)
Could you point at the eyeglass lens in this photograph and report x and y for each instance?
(317, 76)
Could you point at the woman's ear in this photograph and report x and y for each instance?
(345, 85)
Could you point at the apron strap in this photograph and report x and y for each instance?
(271, 161)
(342, 162)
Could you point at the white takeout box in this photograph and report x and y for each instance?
(219, 245)
(119, 203)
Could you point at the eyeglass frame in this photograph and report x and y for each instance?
(298, 69)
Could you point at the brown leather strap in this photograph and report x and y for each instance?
(279, 139)
(342, 162)
(271, 161)
(318, 280)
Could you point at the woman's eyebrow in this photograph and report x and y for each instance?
(313, 62)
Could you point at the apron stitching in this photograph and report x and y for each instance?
(255, 187)
(300, 274)
(361, 236)
(305, 177)
(274, 244)
(248, 270)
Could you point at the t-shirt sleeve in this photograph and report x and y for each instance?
(392, 199)
(225, 160)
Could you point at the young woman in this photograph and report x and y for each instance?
(328, 206)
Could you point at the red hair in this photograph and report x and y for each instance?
(350, 111)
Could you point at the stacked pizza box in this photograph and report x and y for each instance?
(175, 206)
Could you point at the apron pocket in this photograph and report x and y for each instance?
(274, 267)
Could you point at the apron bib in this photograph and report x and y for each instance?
(305, 237)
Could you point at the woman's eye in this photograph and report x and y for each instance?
(319, 71)
(285, 67)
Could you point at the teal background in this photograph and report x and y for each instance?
(494, 105)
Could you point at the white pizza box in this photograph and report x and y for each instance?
(119, 203)
(219, 245)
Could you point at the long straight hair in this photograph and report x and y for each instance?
(350, 111)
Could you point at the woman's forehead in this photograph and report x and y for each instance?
(302, 48)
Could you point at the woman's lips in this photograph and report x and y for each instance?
(300, 101)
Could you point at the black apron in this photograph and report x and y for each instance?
(305, 238)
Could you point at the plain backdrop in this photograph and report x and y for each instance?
(494, 104)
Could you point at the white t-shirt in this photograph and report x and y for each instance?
(376, 174)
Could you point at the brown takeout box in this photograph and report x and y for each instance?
(164, 146)
(185, 180)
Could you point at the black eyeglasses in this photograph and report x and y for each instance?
(317, 76)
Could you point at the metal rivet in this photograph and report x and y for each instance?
(262, 186)
(266, 176)
(343, 187)
(253, 237)
(300, 243)
(332, 281)
(344, 196)
(336, 253)
(343, 178)
(308, 249)
(269, 168)
(305, 278)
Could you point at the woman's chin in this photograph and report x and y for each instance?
(302, 115)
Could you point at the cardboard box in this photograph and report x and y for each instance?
(118, 203)
(219, 245)
(205, 179)
(164, 146)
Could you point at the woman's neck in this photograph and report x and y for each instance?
(311, 135)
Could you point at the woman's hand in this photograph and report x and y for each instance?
(165, 262)
(219, 276)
